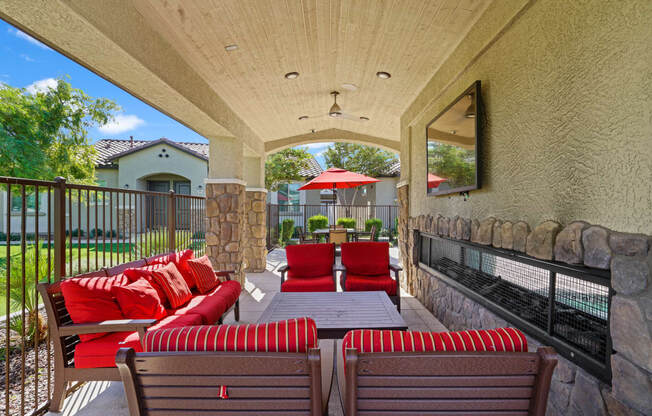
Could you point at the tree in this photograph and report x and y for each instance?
(45, 134)
(367, 160)
(455, 164)
(285, 166)
(370, 161)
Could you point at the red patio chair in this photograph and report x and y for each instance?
(366, 267)
(309, 268)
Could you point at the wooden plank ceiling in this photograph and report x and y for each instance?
(329, 42)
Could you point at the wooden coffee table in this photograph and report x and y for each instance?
(336, 313)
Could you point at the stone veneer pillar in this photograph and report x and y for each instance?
(255, 250)
(226, 217)
(629, 258)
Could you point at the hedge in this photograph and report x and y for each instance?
(346, 222)
(287, 229)
(370, 223)
(316, 222)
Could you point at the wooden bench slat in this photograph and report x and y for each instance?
(226, 404)
(443, 404)
(196, 364)
(442, 413)
(154, 380)
(444, 392)
(445, 381)
(234, 392)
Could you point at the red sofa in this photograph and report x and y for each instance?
(309, 268)
(88, 331)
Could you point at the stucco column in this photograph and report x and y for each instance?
(255, 230)
(225, 205)
(404, 237)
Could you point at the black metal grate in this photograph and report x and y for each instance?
(523, 288)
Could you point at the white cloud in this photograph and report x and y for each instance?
(41, 86)
(26, 57)
(316, 145)
(25, 36)
(121, 124)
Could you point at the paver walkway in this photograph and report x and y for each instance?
(107, 398)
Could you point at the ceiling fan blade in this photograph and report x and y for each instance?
(351, 117)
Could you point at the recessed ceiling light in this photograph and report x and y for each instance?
(350, 87)
(363, 118)
(312, 130)
(292, 75)
(383, 75)
(303, 117)
(231, 48)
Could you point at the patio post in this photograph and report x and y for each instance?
(225, 205)
(254, 247)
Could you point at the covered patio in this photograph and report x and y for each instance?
(542, 222)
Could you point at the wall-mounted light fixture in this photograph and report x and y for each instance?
(126, 186)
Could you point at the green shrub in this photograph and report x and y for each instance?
(346, 222)
(316, 222)
(396, 224)
(76, 232)
(370, 223)
(99, 233)
(287, 229)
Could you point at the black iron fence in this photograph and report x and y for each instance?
(300, 214)
(52, 229)
(562, 305)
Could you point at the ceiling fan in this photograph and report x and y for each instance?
(336, 112)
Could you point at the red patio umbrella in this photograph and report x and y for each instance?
(336, 178)
(434, 180)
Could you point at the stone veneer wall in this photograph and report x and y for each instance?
(226, 217)
(255, 251)
(628, 256)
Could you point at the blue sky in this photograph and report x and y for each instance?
(27, 63)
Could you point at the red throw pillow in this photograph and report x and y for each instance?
(89, 299)
(173, 284)
(179, 259)
(202, 270)
(146, 273)
(139, 300)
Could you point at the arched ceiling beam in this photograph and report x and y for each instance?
(332, 135)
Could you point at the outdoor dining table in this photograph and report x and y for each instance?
(350, 232)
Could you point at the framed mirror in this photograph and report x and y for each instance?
(452, 140)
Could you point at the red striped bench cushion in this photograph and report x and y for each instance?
(499, 339)
(292, 335)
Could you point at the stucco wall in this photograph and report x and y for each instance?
(386, 191)
(139, 165)
(566, 86)
(109, 176)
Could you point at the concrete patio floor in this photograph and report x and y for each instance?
(107, 398)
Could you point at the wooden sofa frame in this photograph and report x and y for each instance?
(65, 334)
(270, 383)
(394, 268)
(445, 383)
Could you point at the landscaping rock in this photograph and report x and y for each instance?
(628, 244)
(428, 225)
(486, 231)
(475, 228)
(541, 241)
(597, 252)
(568, 246)
(630, 332)
(496, 239)
(442, 226)
(520, 231)
(631, 385)
(463, 229)
(629, 275)
(507, 235)
(452, 227)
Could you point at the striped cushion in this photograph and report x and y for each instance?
(292, 335)
(499, 339)
(202, 271)
(170, 280)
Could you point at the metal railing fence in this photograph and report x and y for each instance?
(300, 214)
(53, 229)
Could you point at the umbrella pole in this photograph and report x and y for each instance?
(334, 201)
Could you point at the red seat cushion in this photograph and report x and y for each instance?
(213, 304)
(179, 259)
(173, 284)
(310, 260)
(139, 300)
(292, 335)
(146, 273)
(310, 284)
(366, 258)
(203, 274)
(89, 299)
(358, 283)
(499, 339)
(101, 352)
